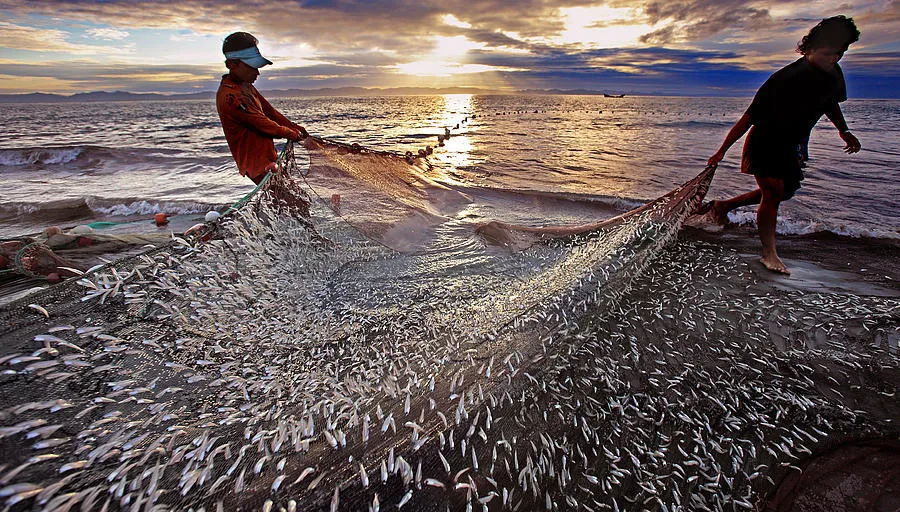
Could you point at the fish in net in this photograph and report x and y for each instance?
(382, 353)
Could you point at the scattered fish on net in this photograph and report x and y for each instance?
(381, 355)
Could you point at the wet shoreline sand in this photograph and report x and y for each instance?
(707, 345)
(820, 262)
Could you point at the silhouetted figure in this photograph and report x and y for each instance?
(781, 116)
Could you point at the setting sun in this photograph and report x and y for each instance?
(448, 58)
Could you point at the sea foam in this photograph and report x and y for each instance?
(52, 156)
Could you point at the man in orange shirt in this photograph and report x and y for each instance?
(249, 121)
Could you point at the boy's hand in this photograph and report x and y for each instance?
(715, 159)
(853, 144)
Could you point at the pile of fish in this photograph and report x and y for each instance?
(289, 365)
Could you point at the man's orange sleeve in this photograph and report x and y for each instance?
(257, 119)
(271, 112)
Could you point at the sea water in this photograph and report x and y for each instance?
(72, 163)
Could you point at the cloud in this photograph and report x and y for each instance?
(180, 38)
(885, 66)
(82, 75)
(410, 25)
(17, 37)
(109, 34)
(526, 43)
(330, 26)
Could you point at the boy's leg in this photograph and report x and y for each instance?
(772, 192)
(718, 210)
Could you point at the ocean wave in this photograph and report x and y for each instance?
(94, 207)
(619, 204)
(198, 125)
(49, 156)
(693, 123)
(563, 201)
(82, 157)
(787, 226)
(147, 207)
(46, 211)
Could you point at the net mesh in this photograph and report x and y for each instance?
(348, 341)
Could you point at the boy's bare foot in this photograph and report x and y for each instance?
(708, 217)
(717, 213)
(712, 211)
(775, 264)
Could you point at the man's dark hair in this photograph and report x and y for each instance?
(837, 31)
(239, 41)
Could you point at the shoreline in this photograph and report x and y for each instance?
(819, 262)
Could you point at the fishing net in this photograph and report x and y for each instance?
(347, 340)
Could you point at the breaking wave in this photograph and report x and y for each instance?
(788, 226)
(47, 156)
(80, 158)
(87, 207)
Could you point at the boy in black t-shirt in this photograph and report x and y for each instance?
(781, 116)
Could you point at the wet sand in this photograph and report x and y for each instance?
(723, 368)
(850, 471)
(818, 263)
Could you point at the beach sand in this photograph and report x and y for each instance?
(832, 266)
(850, 471)
(822, 262)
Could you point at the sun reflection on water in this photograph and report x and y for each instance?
(456, 118)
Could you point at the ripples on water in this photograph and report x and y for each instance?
(632, 148)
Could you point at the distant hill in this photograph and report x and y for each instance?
(101, 96)
(105, 96)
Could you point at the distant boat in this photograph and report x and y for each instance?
(613, 95)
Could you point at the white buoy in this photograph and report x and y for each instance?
(83, 229)
(213, 216)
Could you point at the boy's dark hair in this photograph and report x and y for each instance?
(837, 31)
(239, 41)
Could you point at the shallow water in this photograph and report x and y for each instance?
(73, 163)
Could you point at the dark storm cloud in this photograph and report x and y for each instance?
(645, 71)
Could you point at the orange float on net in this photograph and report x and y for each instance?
(161, 219)
(200, 229)
(195, 229)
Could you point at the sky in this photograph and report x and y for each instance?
(680, 47)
